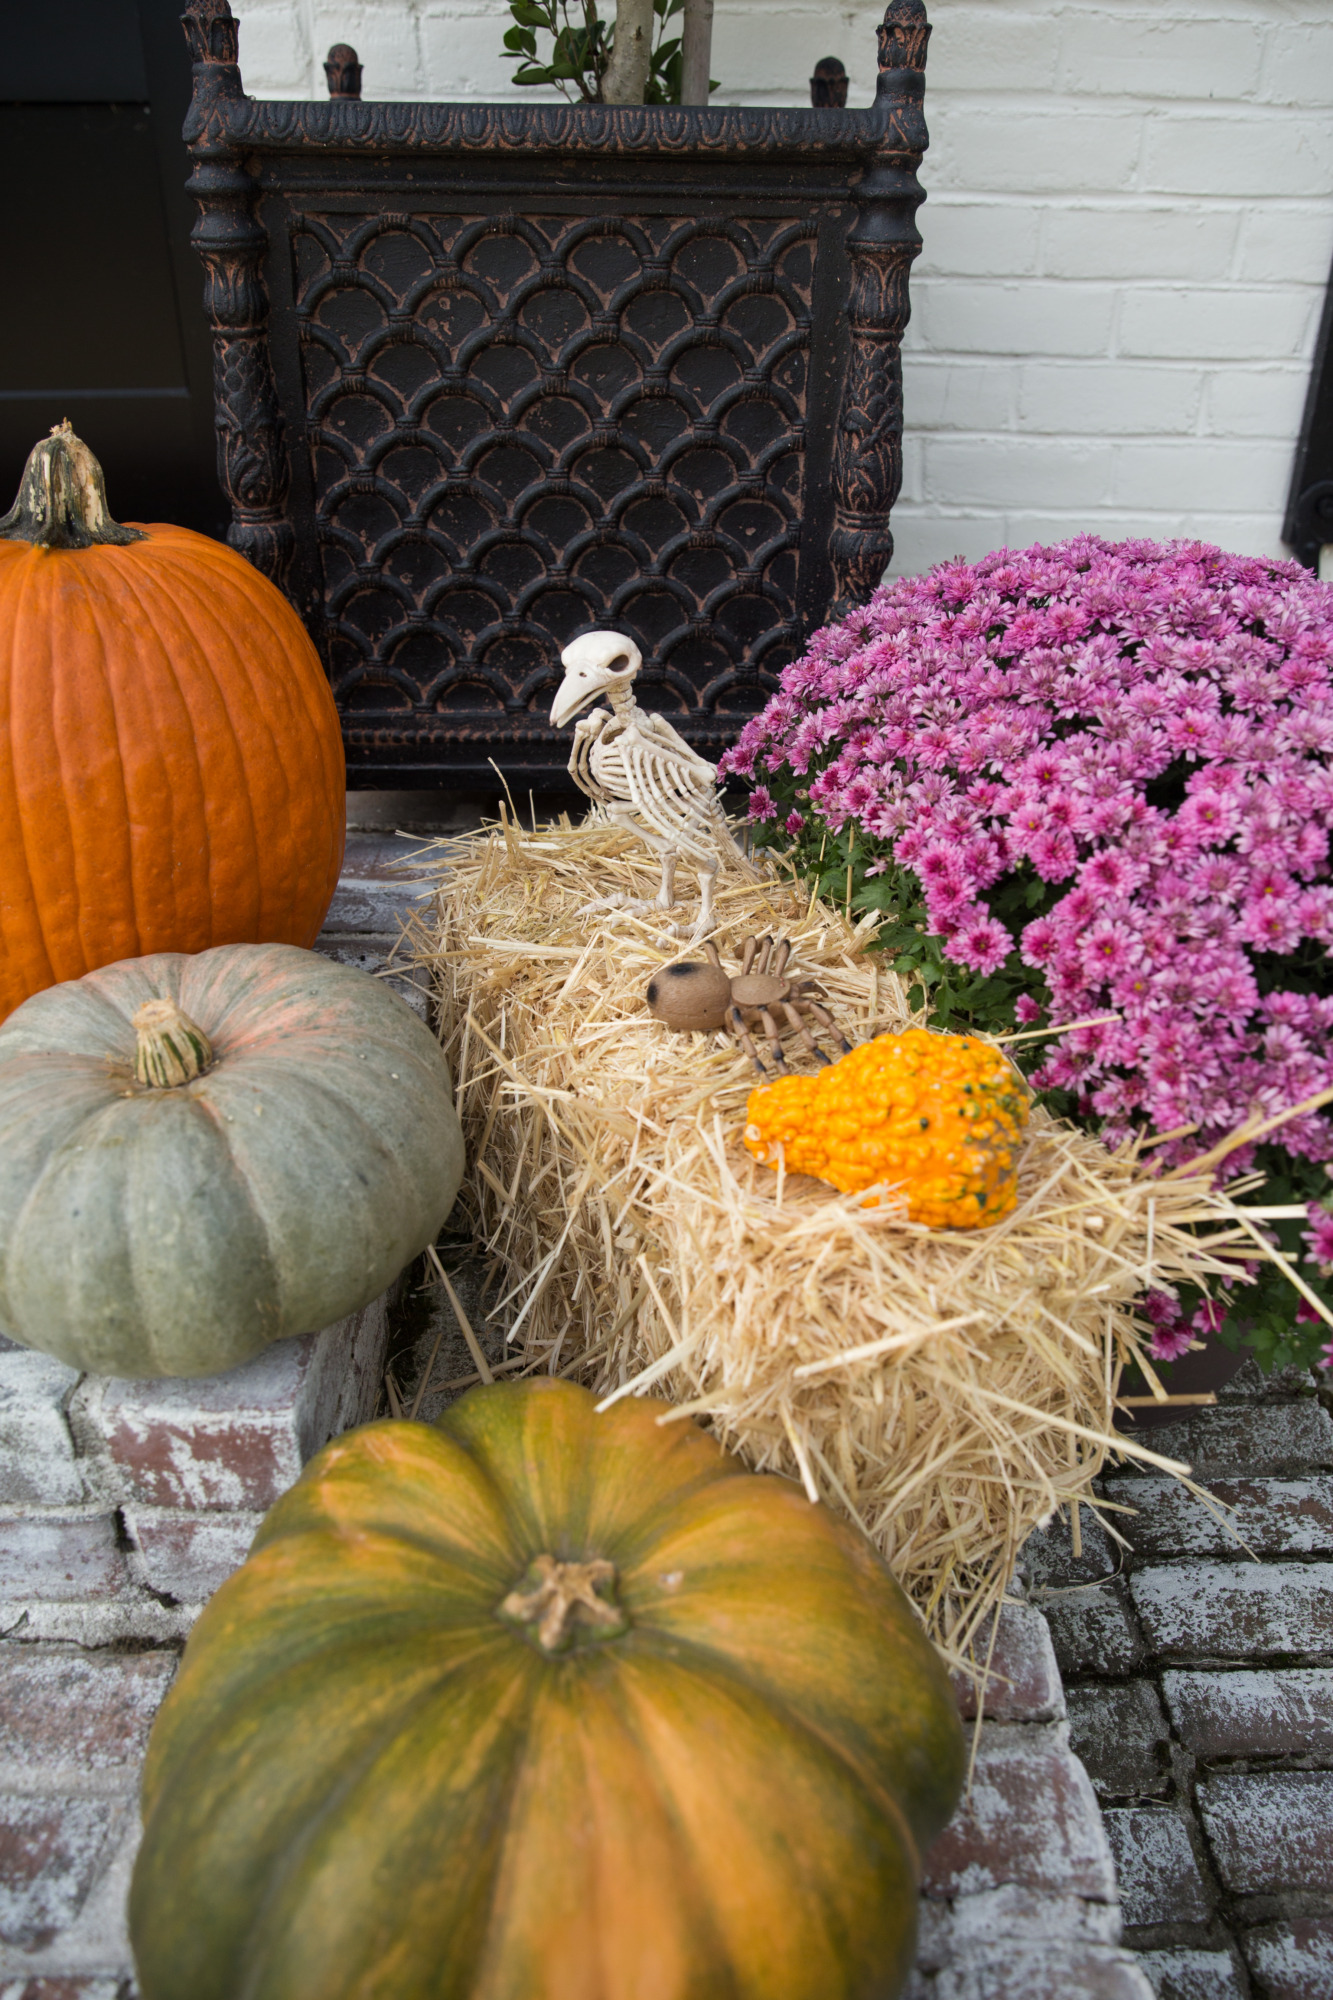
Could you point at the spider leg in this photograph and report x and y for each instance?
(826, 1020)
(781, 953)
(736, 1022)
(748, 949)
(710, 953)
(774, 1034)
(803, 1034)
(765, 953)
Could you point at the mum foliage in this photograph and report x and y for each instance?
(1093, 783)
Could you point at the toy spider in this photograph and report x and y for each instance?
(691, 995)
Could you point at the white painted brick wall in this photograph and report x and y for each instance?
(1129, 230)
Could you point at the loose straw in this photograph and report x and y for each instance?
(946, 1390)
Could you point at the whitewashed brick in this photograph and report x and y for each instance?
(461, 53)
(188, 1555)
(74, 1720)
(66, 1989)
(1270, 1830)
(1009, 1912)
(1027, 1781)
(1038, 316)
(1299, 62)
(993, 48)
(129, 1618)
(1030, 1971)
(95, 1945)
(1093, 1629)
(1106, 397)
(978, 240)
(1191, 1972)
(1120, 1733)
(1167, 475)
(54, 1850)
(1057, 150)
(1287, 1711)
(1294, 1960)
(913, 473)
(961, 470)
(1105, 52)
(1236, 1610)
(958, 396)
(1155, 1865)
(1269, 1517)
(1256, 402)
(1282, 246)
(37, 1462)
(274, 49)
(922, 538)
(1283, 152)
(58, 1556)
(238, 1440)
(1139, 243)
(1219, 324)
(1024, 1683)
(1245, 1442)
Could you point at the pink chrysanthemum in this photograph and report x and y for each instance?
(1169, 1342)
(1140, 736)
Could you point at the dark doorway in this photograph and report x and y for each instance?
(101, 314)
(1309, 524)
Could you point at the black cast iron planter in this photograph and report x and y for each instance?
(489, 375)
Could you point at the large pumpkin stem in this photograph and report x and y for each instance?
(555, 1597)
(172, 1049)
(62, 499)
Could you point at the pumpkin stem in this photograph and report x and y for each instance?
(62, 498)
(555, 1597)
(172, 1049)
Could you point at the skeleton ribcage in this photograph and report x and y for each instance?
(669, 793)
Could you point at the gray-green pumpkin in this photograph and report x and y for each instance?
(260, 1155)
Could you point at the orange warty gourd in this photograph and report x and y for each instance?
(541, 1704)
(938, 1118)
(171, 763)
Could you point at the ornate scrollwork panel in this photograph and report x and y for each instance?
(523, 425)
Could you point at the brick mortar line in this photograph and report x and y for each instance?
(69, 1781)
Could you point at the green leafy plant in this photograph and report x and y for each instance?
(580, 49)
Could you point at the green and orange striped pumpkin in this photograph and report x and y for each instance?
(542, 1704)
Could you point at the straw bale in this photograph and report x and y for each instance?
(945, 1389)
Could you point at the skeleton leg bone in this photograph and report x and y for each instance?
(623, 816)
(707, 919)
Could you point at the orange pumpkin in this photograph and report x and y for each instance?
(171, 763)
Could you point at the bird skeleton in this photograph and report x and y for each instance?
(641, 774)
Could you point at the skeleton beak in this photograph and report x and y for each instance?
(576, 690)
